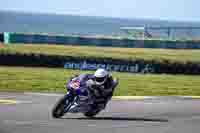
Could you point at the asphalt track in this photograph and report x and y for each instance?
(22, 113)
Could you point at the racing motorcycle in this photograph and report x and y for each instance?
(66, 103)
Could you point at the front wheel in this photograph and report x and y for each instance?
(59, 108)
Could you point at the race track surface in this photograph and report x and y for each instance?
(31, 114)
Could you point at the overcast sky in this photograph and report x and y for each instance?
(187, 10)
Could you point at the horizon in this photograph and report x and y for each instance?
(123, 18)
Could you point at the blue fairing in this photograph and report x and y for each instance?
(77, 90)
(69, 88)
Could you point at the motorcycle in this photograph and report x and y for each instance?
(65, 104)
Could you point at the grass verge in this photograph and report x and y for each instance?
(20, 79)
(101, 52)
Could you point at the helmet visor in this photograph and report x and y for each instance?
(99, 79)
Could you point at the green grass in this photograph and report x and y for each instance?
(20, 79)
(116, 53)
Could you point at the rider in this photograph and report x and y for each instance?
(100, 87)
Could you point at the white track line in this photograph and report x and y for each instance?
(122, 97)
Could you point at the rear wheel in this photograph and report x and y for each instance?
(59, 108)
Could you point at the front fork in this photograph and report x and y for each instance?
(70, 100)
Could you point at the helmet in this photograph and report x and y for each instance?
(100, 76)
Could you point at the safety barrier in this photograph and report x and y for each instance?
(1, 38)
(99, 41)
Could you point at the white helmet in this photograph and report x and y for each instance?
(100, 76)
